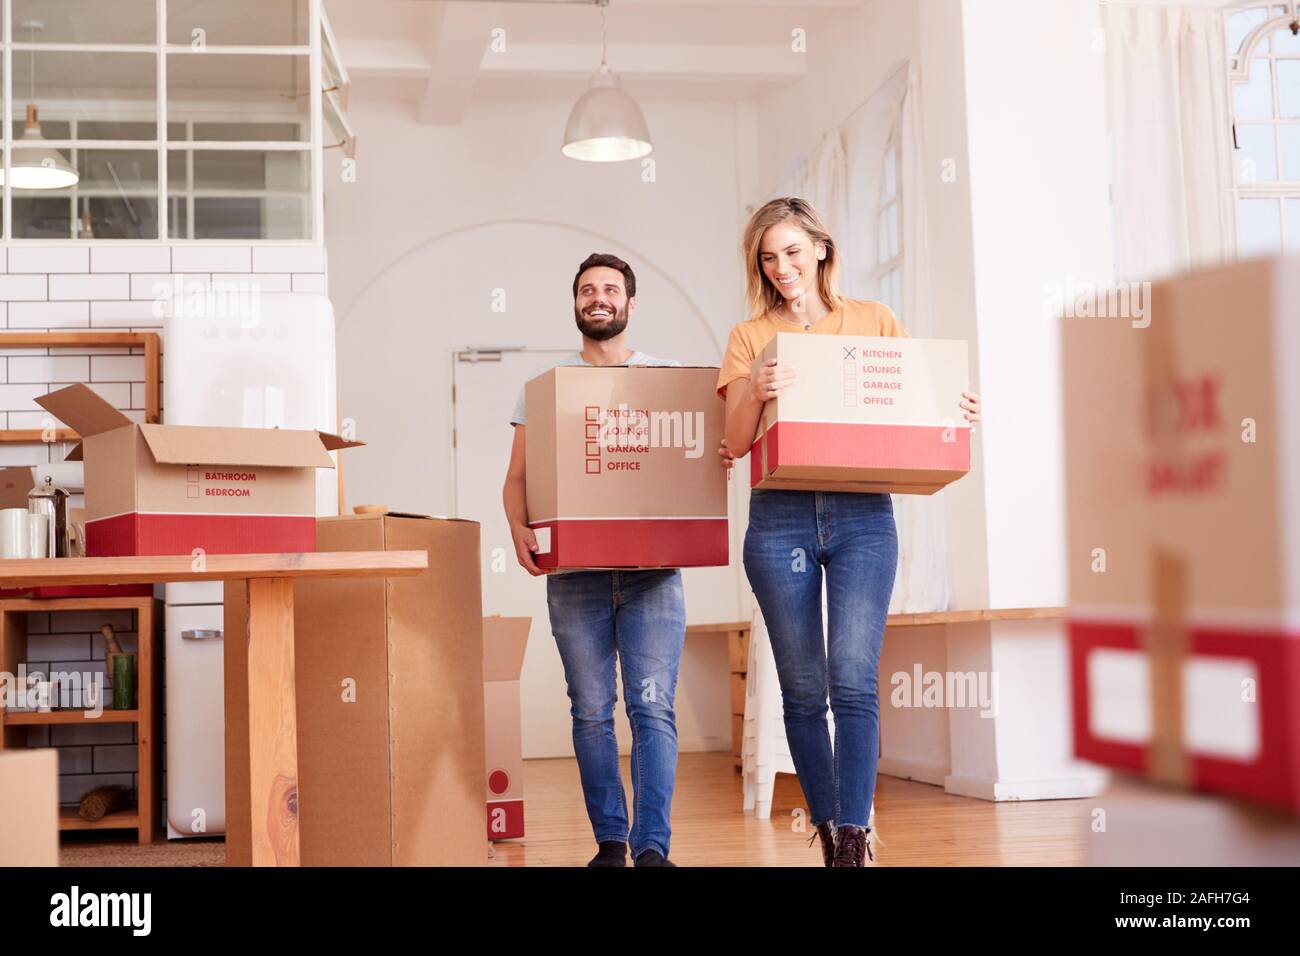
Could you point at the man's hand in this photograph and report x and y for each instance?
(971, 403)
(771, 381)
(728, 459)
(525, 548)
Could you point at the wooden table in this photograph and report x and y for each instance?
(272, 703)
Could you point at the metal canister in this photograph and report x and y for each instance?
(52, 501)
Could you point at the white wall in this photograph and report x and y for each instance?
(438, 219)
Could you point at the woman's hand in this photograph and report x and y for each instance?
(728, 459)
(971, 403)
(771, 381)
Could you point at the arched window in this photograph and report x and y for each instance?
(1263, 45)
(889, 232)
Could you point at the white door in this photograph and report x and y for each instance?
(484, 397)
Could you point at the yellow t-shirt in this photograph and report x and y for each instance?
(853, 317)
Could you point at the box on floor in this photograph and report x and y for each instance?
(504, 641)
(864, 414)
(623, 470)
(1182, 464)
(29, 807)
(389, 684)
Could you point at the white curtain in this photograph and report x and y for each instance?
(1172, 152)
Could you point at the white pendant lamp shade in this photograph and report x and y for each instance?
(606, 125)
(38, 167)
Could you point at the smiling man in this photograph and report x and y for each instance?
(604, 619)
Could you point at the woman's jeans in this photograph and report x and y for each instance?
(792, 536)
(640, 618)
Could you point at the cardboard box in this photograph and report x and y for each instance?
(623, 470)
(389, 682)
(169, 489)
(504, 641)
(15, 483)
(29, 807)
(865, 414)
(1182, 465)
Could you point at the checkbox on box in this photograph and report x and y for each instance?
(593, 449)
(592, 413)
(593, 430)
(593, 466)
(191, 491)
(850, 368)
(191, 474)
(850, 399)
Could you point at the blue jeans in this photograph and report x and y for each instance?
(792, 536)
(638, 617)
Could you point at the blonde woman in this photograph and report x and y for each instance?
(794, 537)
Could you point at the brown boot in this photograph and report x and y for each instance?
(827, 833)
(852, 845)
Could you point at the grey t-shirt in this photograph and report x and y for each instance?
(637, 358)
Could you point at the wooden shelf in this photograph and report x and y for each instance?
(155, 569)
(70, 819)
(69, 716)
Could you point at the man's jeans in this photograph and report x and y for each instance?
(792, 536)
(638, 617)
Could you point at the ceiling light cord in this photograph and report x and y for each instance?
(604, 65)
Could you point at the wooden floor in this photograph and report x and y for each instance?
(918, 825)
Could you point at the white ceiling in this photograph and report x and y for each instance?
(435, 54)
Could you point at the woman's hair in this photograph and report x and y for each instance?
(762, 296)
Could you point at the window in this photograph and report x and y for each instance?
(889, 243)
(1263, 45)
(169, 119)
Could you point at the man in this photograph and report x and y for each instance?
(601, 619)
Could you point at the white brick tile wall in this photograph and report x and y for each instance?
(117, 368)
(49, 259)
(21, 397)
(212, 259)
(154, 285)
(21, 288)
(75, 760)
(288, 259)
(133, 314)
(4, 259)
(262, 282)
(130, 259)
(309, 282)
(49, 368)
(37, 418)
(73, 786)
(49, 315)
(59, 647)
(117, 393)
(90, 286)
(121, 758)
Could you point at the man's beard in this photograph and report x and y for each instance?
(600, 333)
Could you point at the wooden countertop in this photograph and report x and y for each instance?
(150, 569)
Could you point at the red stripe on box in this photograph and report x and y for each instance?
(860, 445)
(137, 533)
(635, 543)
(1274, 775)
(505, 819)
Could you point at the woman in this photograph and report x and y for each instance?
(792, 267)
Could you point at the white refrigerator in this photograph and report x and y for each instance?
(268, 366)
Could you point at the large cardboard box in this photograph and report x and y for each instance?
(864, 414)
(504, 642)
(169, 489)
(1182, 466)
(29, 807)
(389, 682)
(623, 470)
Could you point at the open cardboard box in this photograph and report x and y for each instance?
(172, 489)
(504, 642)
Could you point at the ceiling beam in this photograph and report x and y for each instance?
(460, 36)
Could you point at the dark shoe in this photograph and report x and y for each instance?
(827, 832)
(612, 853)
(653, 858)
(852, 844)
